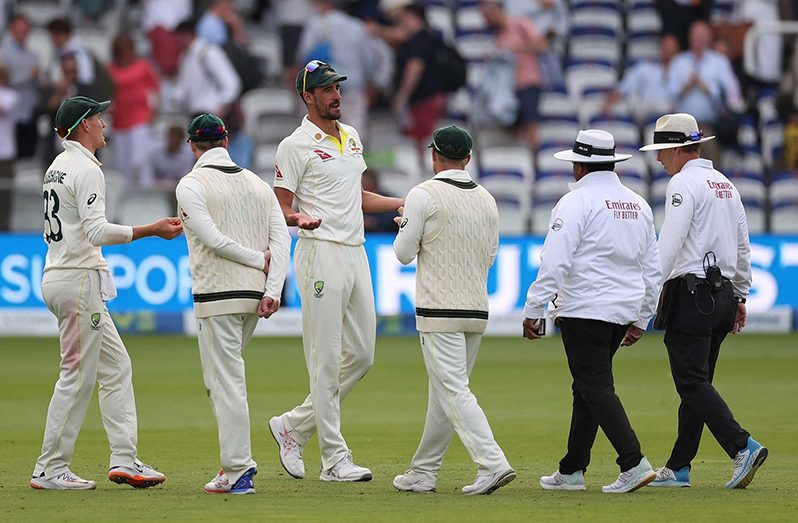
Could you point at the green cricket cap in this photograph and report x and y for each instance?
(316, 74)
(74, 110)
(452, 142)
(206, 128)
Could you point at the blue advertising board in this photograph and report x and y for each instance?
(152, 275)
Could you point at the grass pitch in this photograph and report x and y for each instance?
(523, 387)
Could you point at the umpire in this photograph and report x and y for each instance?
(706, 265)
(600, 269)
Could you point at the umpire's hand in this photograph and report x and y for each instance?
(532, 328)
(632, 335)
(267, 307)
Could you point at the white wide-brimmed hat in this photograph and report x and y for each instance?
(592, 146)
(676, 130)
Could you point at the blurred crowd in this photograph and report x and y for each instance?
(501, 68)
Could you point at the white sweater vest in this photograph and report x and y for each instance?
(453, 262)
(239, 203)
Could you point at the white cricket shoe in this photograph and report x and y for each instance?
(487, 483)
(290, 450)
(140, 475)
(64, 481)
(632, 479)
(560, 481)
(345, 470)
(221, 483)
(412, 481)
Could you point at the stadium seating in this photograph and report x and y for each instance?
(27, 214)
(144, 206)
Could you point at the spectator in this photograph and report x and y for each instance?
(290, 16)
(22, 66)
(348, 52)
(520, 37)
(136, 90)
(703, 84)
(220, 23)
(679, 15)
(53, 95)
(171, 158)
(419, 101)
(644, 86)
(9, 98)
(205, 64)
(159, 19)
(240, 146)
(767, 67)
(66, 43)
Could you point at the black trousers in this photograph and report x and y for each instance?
(697, 325)
(590, 346)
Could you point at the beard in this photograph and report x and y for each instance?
(328, 112)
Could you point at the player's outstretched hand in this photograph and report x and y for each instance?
(303, 221)
(168, 228)
(632, 335)
(267, 307)
(398, 219)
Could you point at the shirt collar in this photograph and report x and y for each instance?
(699, 162)
(459, 175)
(72, 145)
(595, 178)
(314, 131)
(215, 156)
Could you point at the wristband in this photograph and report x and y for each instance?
(740, 299)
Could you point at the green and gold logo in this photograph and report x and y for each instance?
(318, 286)
(95, 320)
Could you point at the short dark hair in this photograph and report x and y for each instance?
(207, 146)
(593, 167)
(60, 25)
(188, 25)
(692, 148)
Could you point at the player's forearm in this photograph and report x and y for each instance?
(373, 202)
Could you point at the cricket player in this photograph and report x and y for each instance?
(451, 225)
(238, 247)
(319, 168)
(75, 286)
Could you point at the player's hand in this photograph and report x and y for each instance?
(739, 320)
(632, 335)
(303, 221)
(168, 228)
(267, 307)
(398, 219)
(532, 328)
(267, 255)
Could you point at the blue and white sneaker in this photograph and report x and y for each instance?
(746, 463)
(671, 478)
(221, 485)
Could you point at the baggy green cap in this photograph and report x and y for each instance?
(206, 128)
(316, 74)
(452, 142)
(74, 110)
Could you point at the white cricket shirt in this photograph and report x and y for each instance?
(325, 177)
(600, 258)
(703, 213)
(74, 212)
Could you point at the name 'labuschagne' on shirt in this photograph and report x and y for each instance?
(54, 176)
(723, 190)
(623, 210)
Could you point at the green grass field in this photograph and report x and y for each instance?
(524, 389)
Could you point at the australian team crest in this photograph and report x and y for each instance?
(95, 321)
(355, 149)
(318, 286)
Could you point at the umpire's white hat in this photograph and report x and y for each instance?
(676, 130)
(592, 146)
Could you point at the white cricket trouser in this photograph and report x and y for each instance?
(338, 334)
(221, 342)
(91, 352)
(131, 154)
(452, 407)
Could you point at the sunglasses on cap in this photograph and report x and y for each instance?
(309, 68)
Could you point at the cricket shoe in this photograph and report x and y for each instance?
(746, 463)
(632, 479)
(671, 478)
(139, 475)
(412, 481)
(345, 470)
(560, 481)
(64, 481)
(290, 449)
(487, 483)
(221, 484)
